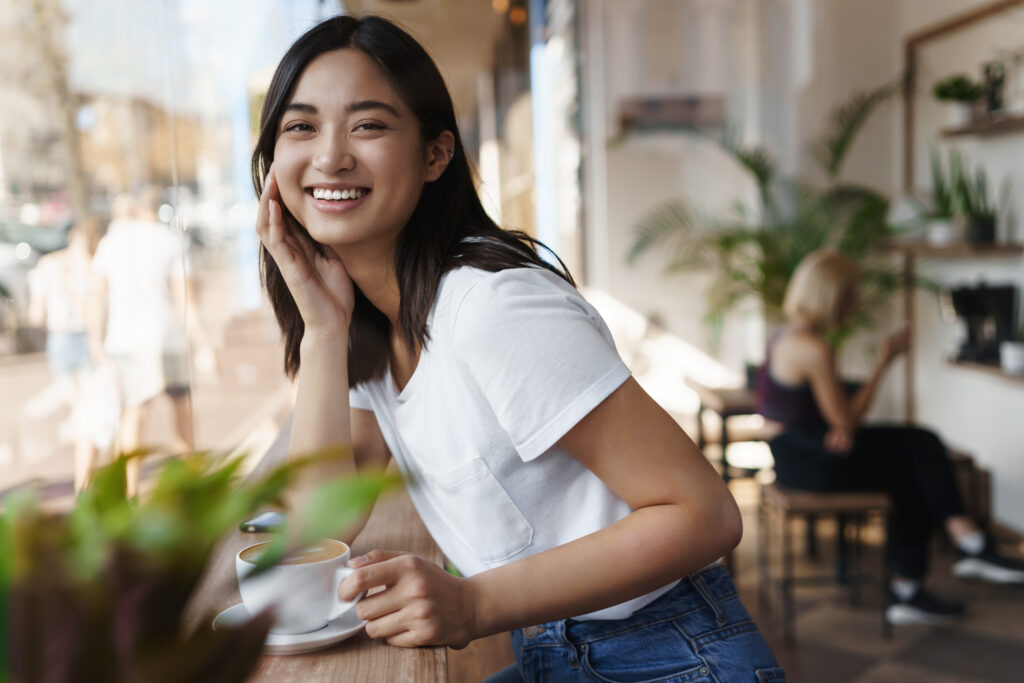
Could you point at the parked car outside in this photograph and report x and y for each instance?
(21, 245)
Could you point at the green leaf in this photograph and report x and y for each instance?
(845, 122)
(337, 504)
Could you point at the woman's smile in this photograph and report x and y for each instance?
(336, 199)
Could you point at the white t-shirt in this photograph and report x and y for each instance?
(515, 359)
(140, 261)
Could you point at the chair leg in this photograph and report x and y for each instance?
(762, 556)
(854, 572)
(787, 582)
(886, 575)
(726, 475)
(842, 574)
(812, 536)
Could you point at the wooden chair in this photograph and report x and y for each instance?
(851, 509)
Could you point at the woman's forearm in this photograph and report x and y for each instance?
(321, 424)
(321, 403)
(650, 548)
(866, 394)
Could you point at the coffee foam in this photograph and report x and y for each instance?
(318, 552)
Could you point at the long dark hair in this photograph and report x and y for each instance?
(449, 211)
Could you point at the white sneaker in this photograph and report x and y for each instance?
(923, 608)
(989, 567)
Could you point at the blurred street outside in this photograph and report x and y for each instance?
(240, 404)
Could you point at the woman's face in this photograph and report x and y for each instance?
(349, 159)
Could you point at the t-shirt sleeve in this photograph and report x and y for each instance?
(358, 398)
(537, 351)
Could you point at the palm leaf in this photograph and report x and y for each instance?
(674, 221)
(845, 122)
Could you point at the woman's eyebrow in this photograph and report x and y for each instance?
(300, 107)
(361, 105)
(364, 105)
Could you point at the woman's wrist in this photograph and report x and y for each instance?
(478, 611)
(330, 339)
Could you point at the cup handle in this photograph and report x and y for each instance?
(342, 606)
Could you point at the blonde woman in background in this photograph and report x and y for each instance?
(824, 445)
(59, 298)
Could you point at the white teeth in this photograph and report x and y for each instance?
(336, 195)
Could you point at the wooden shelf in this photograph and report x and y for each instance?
(992, 126)
(988, 369)
(956, 249)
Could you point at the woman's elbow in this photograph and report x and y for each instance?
(728, 523)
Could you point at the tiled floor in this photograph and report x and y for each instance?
(837, 643)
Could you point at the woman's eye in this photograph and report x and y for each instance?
(302, 127)
(370, 126)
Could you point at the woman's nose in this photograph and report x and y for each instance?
(333, 157)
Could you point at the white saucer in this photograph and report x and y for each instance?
(344, 626)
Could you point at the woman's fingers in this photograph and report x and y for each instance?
(263, 212)
(372, 557)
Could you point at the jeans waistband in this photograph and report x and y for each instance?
(700, 590)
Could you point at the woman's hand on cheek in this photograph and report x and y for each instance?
(421, 603)
(319, 283)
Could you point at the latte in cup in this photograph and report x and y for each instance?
(302, 589)
(318, 552)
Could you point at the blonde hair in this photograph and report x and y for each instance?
(819, 286)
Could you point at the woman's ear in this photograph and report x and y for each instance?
(440, 153)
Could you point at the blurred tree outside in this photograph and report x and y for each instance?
(34, 65)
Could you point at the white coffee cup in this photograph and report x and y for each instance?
(302, 589)
(1011, 356)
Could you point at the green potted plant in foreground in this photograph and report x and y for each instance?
(99, 593)
(960, 93)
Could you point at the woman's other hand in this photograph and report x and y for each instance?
(319, 283)
(421, 603)
(838, 441)
(896, 343)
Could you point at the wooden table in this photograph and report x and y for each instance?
(394, 524)
(726, 402)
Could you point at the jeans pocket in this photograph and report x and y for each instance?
(774, 673)
(658, 652)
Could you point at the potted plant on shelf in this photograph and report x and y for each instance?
(940, 226)
(752, 254)
(961, 95)
(100, 592)
(978, 206)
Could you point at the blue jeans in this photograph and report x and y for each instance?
(698, 631)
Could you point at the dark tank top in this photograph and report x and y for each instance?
(792, 405)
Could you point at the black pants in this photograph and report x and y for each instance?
(910, 464)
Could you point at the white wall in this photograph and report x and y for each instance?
(812, 55)
(639, 48)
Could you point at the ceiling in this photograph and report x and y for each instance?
(459, 34)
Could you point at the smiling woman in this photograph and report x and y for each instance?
(419, 330)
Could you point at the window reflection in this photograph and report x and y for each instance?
(130, 306)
